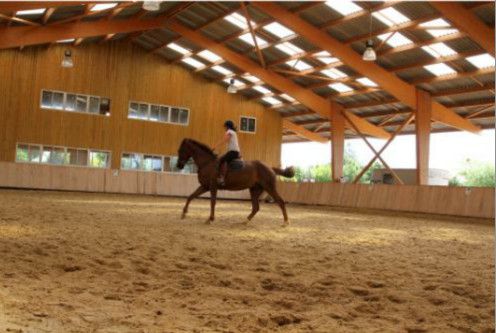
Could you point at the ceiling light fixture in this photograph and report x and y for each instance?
(231, 88)
(369, 53)
(151, 6)
(67, 61)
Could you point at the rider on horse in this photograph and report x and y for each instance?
(231, 139)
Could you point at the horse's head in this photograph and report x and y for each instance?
(184, 154)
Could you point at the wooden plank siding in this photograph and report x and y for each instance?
(122, 73)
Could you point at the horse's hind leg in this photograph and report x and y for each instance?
(255, 193)
(199, 191)
(273, 193)
(213, 199)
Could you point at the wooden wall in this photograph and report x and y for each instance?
(459, 201)
(122, 72)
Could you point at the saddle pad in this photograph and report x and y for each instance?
(236, 164)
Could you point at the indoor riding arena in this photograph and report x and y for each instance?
(107, 113)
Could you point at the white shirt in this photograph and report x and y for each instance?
(232, 144)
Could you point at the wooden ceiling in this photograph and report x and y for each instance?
(463, 100)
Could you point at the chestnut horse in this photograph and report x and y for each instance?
(253, 175)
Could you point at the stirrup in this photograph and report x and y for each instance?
(221, 181)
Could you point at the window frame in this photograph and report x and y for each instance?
(41, 147)
(162, 157)
(64, 103)
(248, 117)
(169, 107)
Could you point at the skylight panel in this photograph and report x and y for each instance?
(325, 57)
(210, 56)
(279, 30)
(482, 60)
(396, 40)
(103, 6)
(247, 38)
(262, 89)
(251, 78)
(287, 97)
(367, 82)
(31, 12)
(334, 73)
(298, 65)
(271, 100)
(222, 70)
(437, 26)
(193, 63)
(238, 20)
(289, 48)
(237, 83)
(344, 7)
(440, 69)
(390, 16)
(439, 50)
(178, 48)
(70, 40)
(340, 87)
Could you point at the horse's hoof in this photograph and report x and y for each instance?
(183, 216)
(209, 221)
(285, 224)
(245, 222)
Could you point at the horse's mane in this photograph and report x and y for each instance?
(203, 147)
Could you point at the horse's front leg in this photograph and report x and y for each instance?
(199, 191)
(213, 199)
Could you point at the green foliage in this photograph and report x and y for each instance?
(322, 173)
(478, 174)
(455, 181)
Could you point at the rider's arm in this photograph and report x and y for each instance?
(224, 140)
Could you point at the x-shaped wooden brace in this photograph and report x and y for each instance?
(377, 154)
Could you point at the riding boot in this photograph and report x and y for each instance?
(222, 174)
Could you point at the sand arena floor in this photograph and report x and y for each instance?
(76, 262)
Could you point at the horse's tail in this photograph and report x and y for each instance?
(289, 172)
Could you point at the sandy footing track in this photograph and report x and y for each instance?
(76, 262)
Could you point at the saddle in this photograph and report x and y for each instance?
(236, 164)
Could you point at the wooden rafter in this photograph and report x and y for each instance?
(303, 132)
(253, 36)
(403, 91)
(463, 19)
(306, 97)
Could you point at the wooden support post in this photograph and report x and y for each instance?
(423, 131)
(337, 141)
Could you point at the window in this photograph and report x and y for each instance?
(57, 100)
(103, 6)
(298, 64)
(395, 39)
(278, 30)
(438, 50)
(325, 57)
(289, 48)
(436, 28)
(334, 73)
(366, 82)
(30, 12)
(440, 69)
(210, 56)
(251, 78)
(390, 16)
(287, 97)
(178, 48)
(158, 113)
(248, 124)
(238, 20)
(156, 163)
(340, 87)
(247, 38)
(262, 89)
(222, 70)
(271, 100)
(193, 63)
(482, 60)
(344, 7)
(46, 154)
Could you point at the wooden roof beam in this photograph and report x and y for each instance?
(306, 97)
(303, 132)
(403, 91)
(463, 19)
